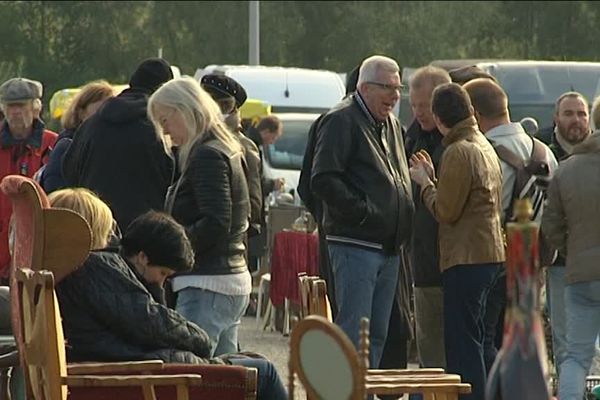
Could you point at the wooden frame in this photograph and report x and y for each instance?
(434, 381)
(315, 322)
(44, 350)
(59, 240)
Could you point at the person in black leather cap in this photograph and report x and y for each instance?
(117, 154)
(230, 96)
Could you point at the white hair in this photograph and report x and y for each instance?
(372, 66)
(201, 114)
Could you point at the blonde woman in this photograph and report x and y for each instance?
(210, 200)
(83, 106)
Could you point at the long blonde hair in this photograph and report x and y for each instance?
(201, 114)
(96, 213)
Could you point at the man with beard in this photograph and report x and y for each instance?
(571, 126)
(424, 255)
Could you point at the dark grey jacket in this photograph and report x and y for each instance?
(108, 315)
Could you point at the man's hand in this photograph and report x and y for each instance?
(419, 174)
(423, 158)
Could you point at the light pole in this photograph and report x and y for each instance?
(254, 33)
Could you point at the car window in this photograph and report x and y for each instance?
(288, 151)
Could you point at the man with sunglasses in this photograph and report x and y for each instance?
(360, 173)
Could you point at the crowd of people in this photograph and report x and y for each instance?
(420, 210)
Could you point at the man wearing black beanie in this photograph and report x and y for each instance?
(117, 154)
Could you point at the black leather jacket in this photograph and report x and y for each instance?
(211, 201)
(361, 174)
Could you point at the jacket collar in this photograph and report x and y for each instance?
(463, 129)
(510, 129)
(363, 106)
(34, 140)
(590, 145)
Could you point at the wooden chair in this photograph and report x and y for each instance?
(329, 368)
(59, 240)
(44, 350)
(317, 303)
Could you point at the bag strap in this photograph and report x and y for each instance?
(509, 157)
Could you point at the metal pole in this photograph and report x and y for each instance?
(254, 33)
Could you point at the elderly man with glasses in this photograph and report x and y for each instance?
(360, 173)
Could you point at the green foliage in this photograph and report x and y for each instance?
(68, 43)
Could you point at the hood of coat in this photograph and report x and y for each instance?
(589, 145)
(130, 105)
(461, 130)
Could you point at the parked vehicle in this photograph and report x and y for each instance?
(287, 90)
(283, 159)
(532, 86)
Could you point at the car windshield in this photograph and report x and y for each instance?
(288, 151)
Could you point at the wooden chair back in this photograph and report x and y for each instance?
(43, 349)
(313, 296)
(325, 361)
(41, 237)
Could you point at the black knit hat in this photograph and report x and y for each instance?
(220, 86)
(150, 74)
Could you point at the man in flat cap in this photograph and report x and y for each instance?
(230, 96)
(25, 145)
(117, 154)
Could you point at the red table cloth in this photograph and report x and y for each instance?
(293, 252)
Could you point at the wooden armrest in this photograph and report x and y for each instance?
(86, 368)
(410, 379)
(419, 371)
(132, 380)
(383, 389)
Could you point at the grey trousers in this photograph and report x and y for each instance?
(429, 321)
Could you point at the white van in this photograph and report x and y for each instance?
(295, 90)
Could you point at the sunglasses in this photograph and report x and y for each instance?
(387, 87)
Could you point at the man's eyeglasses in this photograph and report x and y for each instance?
(227, 105)
(388, 87)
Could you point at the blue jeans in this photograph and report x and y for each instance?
(365, 285)
(582, 306)
(218, 314)
(555, 301)
(270, 386)
(466, 289)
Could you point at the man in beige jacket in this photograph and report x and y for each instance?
(466, 201)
